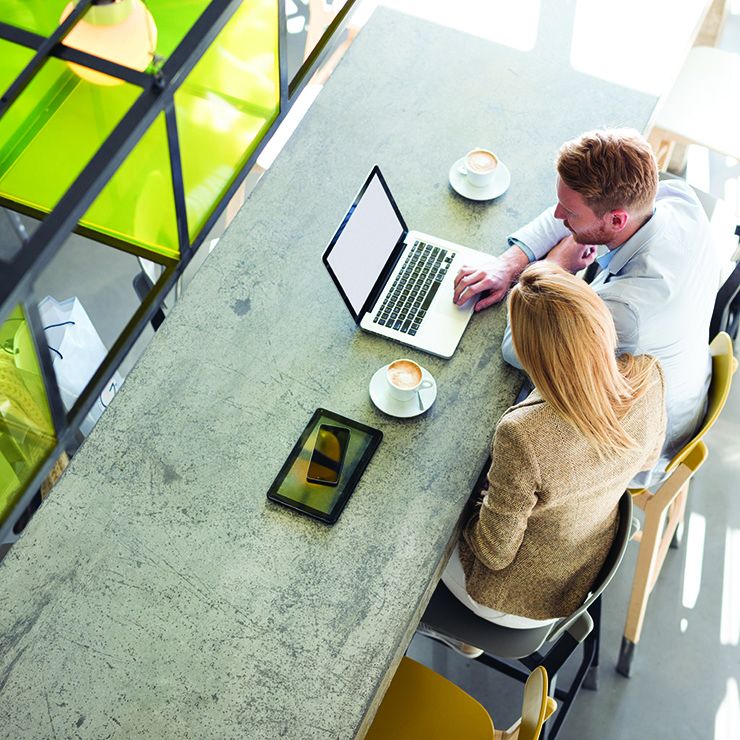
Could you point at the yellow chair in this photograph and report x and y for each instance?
(669, 502)
(422, 705)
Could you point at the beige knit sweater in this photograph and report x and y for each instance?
(542, 533)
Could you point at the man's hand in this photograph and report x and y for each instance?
(494, 277)
(571, 255)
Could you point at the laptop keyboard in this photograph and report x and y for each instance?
(414, 288)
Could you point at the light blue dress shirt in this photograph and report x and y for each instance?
(660, 286)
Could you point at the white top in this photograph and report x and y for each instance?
(660, 287)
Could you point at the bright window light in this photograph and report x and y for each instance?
(727, 719)
(729, 630)
(649, 64)
(697, 167)
(731, 193)
(516, 27)
(694, 559)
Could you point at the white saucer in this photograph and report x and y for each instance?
(498, 185)
(402, 409)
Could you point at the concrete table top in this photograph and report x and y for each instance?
(157, 593)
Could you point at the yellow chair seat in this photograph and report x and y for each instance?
(422, 705)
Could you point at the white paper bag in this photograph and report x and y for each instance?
(77, 351)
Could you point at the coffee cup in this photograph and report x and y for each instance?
(479, 167)
(404, 378)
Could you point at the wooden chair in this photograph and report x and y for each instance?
(422, 705)
(703, 106)
(664, 509)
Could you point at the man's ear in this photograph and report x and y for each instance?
(618, 219)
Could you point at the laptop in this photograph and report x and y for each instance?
(395, 282)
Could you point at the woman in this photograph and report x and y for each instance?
(561, 459)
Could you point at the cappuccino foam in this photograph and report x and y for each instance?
(481, 161)
(404, 374)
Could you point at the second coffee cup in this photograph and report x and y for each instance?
(404, 378)
(480, 167)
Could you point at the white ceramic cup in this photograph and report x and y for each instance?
(479, 167)
(404, 378)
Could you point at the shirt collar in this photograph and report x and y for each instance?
(606, 258)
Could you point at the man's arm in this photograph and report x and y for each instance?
(495, 277)
(531, 242)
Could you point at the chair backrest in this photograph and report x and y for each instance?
(608, 569)
(722, 306)
(724, 365)
(534, 705)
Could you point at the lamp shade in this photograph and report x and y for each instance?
(122, 31)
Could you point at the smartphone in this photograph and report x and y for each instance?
(328, 455)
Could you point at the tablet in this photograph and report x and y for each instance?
(325, 465)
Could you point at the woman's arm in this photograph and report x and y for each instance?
(496, 531)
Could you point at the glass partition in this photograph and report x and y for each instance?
(226, 105)
(212, 79)
(26, 430)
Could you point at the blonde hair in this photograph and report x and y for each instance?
(565, 339)
(610, 169)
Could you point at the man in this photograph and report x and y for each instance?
(659, 275)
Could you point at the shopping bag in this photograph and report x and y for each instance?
(77, 351)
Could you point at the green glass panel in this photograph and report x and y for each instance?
(52, 130)
(39, 16)
(226, 105)
(137, 205)
(26, 430)
(173, 18)
(13, 59)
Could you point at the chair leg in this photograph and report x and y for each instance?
(589, 653)
(626, 653)
(653, 548)
(647, 560)
(591, 679)
(680, 507)
(662, 146)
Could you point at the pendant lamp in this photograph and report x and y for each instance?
(121, 31)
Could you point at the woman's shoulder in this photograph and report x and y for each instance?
(651, 402)
(533, 413)
(656, 379)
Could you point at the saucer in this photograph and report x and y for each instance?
(402, 409)
(498, 185)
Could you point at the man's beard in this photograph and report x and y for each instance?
(594, 236)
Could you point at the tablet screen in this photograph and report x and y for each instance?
(323, 496)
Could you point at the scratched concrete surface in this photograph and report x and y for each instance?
(157, 593)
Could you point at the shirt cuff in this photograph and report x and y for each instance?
(514, 242)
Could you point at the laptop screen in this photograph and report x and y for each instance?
(364, 241)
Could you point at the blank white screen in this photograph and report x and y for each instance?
(365, 244)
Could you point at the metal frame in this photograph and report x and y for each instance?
(157, 97)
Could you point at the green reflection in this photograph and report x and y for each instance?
(58, 123)
(13, 59)
(26, 430)
(226, 106)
